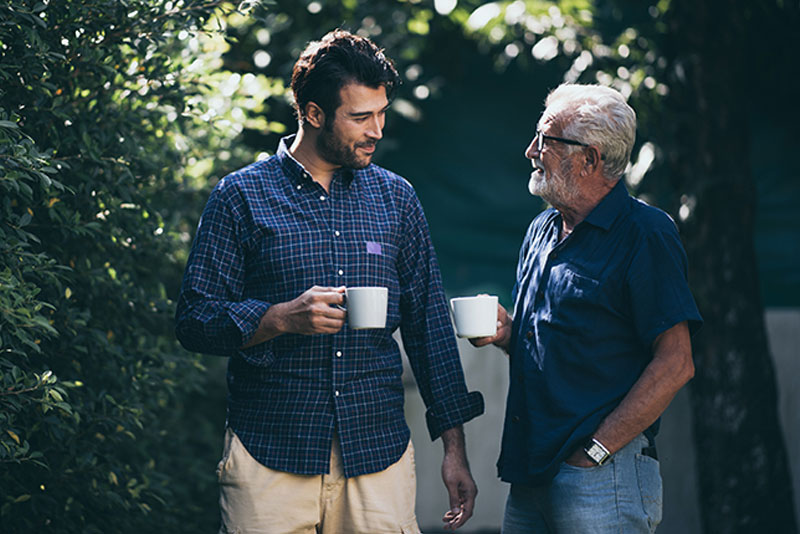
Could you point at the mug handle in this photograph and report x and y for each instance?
(343, 305)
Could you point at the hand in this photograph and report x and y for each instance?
(313, 312)
(503, 336)
(579, 458)
(316, 311)
(461, 488)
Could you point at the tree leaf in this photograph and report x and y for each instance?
(14, 436)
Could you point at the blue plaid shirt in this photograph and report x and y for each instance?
(269, 233)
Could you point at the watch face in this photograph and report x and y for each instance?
(596, 453)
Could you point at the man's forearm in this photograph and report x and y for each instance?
(669, 371)
(454, 443)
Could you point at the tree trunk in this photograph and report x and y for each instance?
(744, 480)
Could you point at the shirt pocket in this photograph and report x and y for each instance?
(377, 263)
(573, 298)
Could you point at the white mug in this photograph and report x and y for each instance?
(475, 316)
(366, 307)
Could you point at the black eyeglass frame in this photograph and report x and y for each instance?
(541, 138)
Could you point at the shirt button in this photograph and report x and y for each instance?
(336, 392)
(336, 233)
(338, 354)
(529, 334)
(341, 272)
(515, 419)
(322, 197)
(299, 186)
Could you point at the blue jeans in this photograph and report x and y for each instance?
(621, 496)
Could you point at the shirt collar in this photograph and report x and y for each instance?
(295, 170)
(614, 204)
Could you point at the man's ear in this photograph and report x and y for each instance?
(592, 159)
(314, 115)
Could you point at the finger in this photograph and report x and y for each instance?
(480, 341)
(330, 295)
(483, 341)
(468, 507)
(329, 322)
(331, 311)
(502, 314)
(455, 498)
(456, 521)
(451, 518)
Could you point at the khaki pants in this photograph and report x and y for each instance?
(255, 499)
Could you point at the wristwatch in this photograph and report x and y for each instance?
(596, 451)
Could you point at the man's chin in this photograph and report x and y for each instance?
(536, 186)
(362, 163)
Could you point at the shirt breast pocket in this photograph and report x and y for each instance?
(377, 263)
(573, 298)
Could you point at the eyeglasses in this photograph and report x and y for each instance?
(541, 137)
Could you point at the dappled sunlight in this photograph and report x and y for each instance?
(644, 160)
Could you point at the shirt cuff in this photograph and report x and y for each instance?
(453, 412)
(246, 315)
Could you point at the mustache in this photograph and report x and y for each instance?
(366, 144)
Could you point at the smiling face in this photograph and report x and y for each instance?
(552, 177)
(348, 138)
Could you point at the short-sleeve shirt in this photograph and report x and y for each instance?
(269, 233)
(587, 310)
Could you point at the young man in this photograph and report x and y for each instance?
(316, 438)
(599, 340)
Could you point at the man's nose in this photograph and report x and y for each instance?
(375, 128)
(533, 149)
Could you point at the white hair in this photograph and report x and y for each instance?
(598, 116)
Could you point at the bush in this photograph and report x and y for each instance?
(99, 422)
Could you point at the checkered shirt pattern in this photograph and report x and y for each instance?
(268, 233)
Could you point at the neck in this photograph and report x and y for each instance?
(304, 150)
(584, 202)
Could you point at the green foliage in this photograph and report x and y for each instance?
(116, 118)
(96, 434)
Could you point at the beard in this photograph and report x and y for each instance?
(335, 151)
(554, 186)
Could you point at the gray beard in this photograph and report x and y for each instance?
(554, 187)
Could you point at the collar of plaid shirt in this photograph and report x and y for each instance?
(267, 234)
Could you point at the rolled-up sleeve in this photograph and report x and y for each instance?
(427, 331)
(212, 316)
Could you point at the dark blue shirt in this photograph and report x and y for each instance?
(586, 312)
(269, 233)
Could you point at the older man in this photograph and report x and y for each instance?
(599, 342)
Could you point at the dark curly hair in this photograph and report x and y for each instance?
(339, 58)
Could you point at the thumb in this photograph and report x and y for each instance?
(455, 497)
